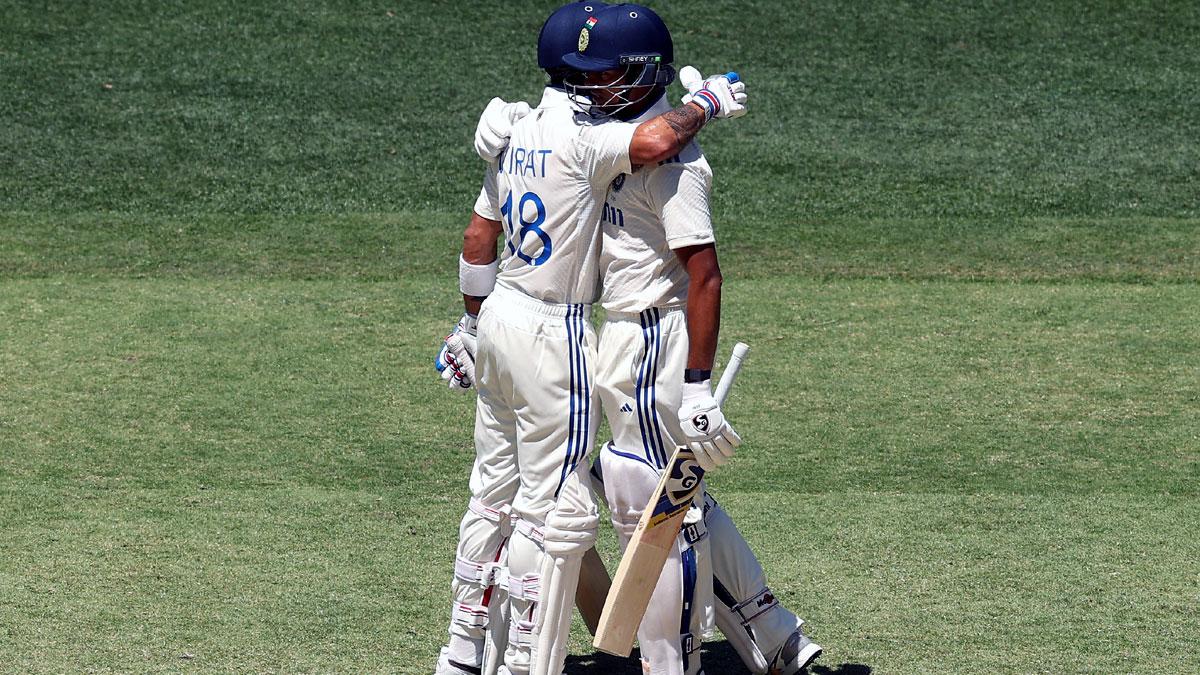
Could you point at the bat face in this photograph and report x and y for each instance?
(655, 536)
(648, 549)
(680, 485)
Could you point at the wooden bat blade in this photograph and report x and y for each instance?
(642, 563)
(651, 543)
(592, 591)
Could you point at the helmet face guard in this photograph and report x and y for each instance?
(646, 73)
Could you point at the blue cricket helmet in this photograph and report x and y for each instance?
(625, 37)
(620, 35)
(560, 33)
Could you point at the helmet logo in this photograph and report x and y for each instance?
(585, 35)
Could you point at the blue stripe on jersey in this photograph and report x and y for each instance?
(688, 560)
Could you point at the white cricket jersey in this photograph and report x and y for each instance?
(547, 189)
(647, 215)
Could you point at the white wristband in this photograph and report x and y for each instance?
(477, 280)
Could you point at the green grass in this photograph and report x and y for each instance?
(264, 475)
(963, 240)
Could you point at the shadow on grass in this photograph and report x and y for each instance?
(719, 658)
(843, 669)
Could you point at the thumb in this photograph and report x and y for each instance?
(691, 79)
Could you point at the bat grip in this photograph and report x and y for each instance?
(731, 371)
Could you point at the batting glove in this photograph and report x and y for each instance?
(706, 431)
(721, 96)
(495, 127)
(456, 360)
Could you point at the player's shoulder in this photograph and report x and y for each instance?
(545, 117)
(601, 125)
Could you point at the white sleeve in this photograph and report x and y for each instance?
(605, 150)
(680, 195)
(487, 205)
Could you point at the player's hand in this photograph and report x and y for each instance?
(692, 80)
(706, 431)
(495, 127)
(721, 96)
(456, 360)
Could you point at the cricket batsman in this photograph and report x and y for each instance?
(661, 293)
(531, 515)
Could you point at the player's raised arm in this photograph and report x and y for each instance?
(622, 60)
(720, 96)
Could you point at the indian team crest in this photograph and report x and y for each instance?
(585, 35)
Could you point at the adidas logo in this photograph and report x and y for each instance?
(626, 408)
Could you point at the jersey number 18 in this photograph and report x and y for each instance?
(515, 242)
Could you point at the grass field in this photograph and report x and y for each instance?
(964, 241)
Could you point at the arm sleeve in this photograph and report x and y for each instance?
(487, 205)
(605, 150)
(680, 194)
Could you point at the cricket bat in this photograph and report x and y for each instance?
(592, 590)
(647, 552)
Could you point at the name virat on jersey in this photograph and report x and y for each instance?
(524, 162)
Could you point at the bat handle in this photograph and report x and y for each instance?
(731, 371)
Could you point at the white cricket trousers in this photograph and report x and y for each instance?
(535, 424)
(639, 375)
(642, 356)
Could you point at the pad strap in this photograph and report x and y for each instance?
(528, 587)
(693, 532)
(477, 280)
(483, 574)
(689, 643)
(758, 604)
(520, 633)
(532, 532)
(471, 616)
(501, 516)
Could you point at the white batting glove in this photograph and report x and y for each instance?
(692, 80)
(495, 127)
(456, 360)
(706, 431)
(721, 96)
